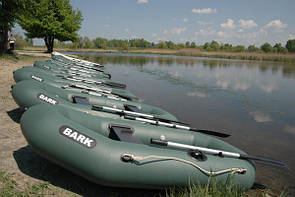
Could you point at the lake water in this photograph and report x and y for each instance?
(253, 101)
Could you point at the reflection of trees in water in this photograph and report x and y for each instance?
(199, 88)
(288, 70)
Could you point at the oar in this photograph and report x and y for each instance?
(83, 87)
(90, 81)
(76, 59)
(176, 126)
(87, 70)
(109, 96)
(75, 65)
(220, 153)
(136, 114)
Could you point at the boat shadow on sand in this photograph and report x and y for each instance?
(15, 114)
(35, 166)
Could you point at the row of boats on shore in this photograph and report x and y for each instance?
(79, 118)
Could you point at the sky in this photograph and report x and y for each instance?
(236, 22)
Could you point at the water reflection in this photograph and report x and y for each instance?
(260, 116)
(253, 101)
(165, 60)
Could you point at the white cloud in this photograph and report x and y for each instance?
(269, 87)
(275, 24)
(291, 36)
(222, 34)
(185, 20)
(205, 32)
(229, 24)
(175, 31)
(242, 86)
(205, 11)
(197, 94)
(246, 24)
(260, 116)
(203, 23)
(142, 1)
(222, 84)
(157, 38)
(290, 129)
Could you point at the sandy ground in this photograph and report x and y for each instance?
(27, 167)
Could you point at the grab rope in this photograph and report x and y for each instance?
(130, 158)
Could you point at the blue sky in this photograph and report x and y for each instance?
(227, 21)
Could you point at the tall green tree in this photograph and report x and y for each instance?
(291, 45)
(266, 47)
(50, 19)
(100, 43)
(8, 16)
(279, 48)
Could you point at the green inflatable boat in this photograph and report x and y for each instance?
(66, 59)
(99, 86)
(126, 153)
(29, 92)
(58, 67)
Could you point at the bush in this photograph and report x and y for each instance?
(20, 42)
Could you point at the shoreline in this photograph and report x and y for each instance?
(276, 57)
(30, 169)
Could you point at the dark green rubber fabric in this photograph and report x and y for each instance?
(80, 143)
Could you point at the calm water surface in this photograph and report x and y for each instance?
(253, 101)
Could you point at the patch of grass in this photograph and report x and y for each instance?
(6, 56)
(212, 189)
(216, 189)
(9, 187)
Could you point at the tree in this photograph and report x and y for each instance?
(8, 16)
(206, 46)
(266, 47)
(162, 45)
(193, 45)
(279, 48)
(170, 44)
(187, 44)
(100, 43)
(252, 48)
(214, 45)
(239, 48)
(50, 19)
(291, 45)
(87, 43)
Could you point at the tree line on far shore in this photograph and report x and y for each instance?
(140, 43)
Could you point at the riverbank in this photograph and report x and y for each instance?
(288, 57)
(35, 175)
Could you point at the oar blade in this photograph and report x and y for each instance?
(265, 160)
(214, 133)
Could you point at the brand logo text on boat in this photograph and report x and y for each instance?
(77, 136)
(36, 78)
(47, 99)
